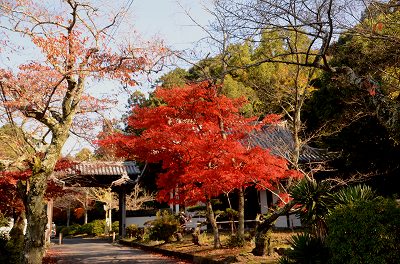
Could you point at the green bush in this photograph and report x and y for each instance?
(306, 249)
(70, 230)
(14, 246)
(164, 227)
(365, 232)
(236, 241)
(132, 231)
(115, 227)
(98, 227)
(86, 229)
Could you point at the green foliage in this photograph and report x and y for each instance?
(115, 227)
(98, 227)
(353, 194)
(12, 143)
(132, 231)
(236, 241)
(175, 78)
(3, 219)
(306, 249)
(70, 230)
(86, 229)
(84, 155)
(314, 199)
(14, 246)
(164, 227)
(230, 213)
(196, 208)
(365, 232)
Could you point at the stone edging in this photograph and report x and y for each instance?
(180, 255)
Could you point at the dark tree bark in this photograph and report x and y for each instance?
(213, 222)
(263, 230)
(36, 219)
(241, 213)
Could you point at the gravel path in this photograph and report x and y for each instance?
(81, 250)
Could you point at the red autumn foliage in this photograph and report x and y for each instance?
(79, 212)
(10, 196)
(197, 134)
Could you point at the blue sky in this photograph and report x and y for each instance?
(165, 19)
(168, 20)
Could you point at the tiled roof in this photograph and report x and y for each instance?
(106, 168)
(279, 140)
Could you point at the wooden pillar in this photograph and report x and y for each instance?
(122, 213)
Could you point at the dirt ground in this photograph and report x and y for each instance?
(234, 255)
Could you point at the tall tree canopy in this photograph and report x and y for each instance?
(73, 43)
(196, 134)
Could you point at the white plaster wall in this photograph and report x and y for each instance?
(294, 221)
(139, 220)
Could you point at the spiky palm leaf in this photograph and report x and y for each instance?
(306, 249)
(353, 194)
(314, 199)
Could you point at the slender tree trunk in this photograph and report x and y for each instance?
(241, 213)
(109, 220)
(68, 214)
(264, 229)
(36, 218)
(86, 216)
(106, 229)
(213, 222)
(231, 218)
(85, 207)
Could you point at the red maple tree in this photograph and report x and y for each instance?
(196, 134)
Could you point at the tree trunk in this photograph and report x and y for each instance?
(241, 213)
(264, 229)
(68, 214)
(110, 220)
(106, 228)
(213, 222)
(36, 218)
(86, 207)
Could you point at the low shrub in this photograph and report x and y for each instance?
(115, 227)
(306, 249)
(164, 227)
(86, 229)
(236, 241)
(365, 232)
(98, 227)
(70, 230)
(14, 246)
(132, 231)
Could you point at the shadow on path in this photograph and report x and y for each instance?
(89, 250)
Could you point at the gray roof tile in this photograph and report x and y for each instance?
(279, 140)
(106, 168)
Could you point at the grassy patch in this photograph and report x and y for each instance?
(237, 255)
